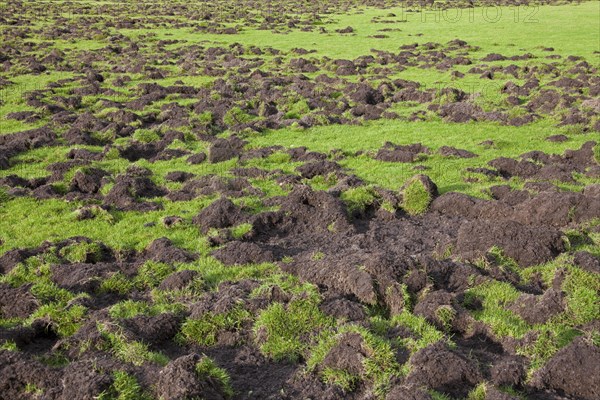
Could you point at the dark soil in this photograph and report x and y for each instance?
(110, 120)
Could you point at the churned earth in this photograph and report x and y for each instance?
(293, 200)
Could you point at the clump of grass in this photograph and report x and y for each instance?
(205, 331)
(438, 396)
(297, 109)
(206, 118)
(415, 197)
(112, 154)
(9, 345)
(341, 378)
(289, 284)
(583, 298)
(207, 368)
(425, 333)
(149, 276)
(359, 198)
(236, 116)
(82, 252)
(379, 366)
(4, 197)
(64, 319)
(551, 338)
(495, 296)
(117, 283)
(322, 182)
(124, 387)
(32, 390)
(240, 230)
(445, 314)
(478, 392)
(131, 308)
(496, 256)
(146, 136)
(130, 351)
(284, 332)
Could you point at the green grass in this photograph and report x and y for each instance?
(503, 36)
(129, 351)
(124, 387)
(424, 333)
(495, 297)
(64, 319)
(207, 368)
(297, 330)
(447, 173)
(81, 252)
(9, 345)
(132, 308)
(359, 198)
(205, 331)
(284, 332)
(415, 197)
(379, 367)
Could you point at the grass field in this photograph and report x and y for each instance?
(287, 199)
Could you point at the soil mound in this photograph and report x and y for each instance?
(441, 369)
(574, 371)
(180, 380)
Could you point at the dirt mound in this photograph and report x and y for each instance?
(301, 212)
(343, 308)
(17, 371)
(510, 371)
(526, 245)
(441, 369)
(82, 277)
(223, 150)
(178, 176)
(574, 371)
(88, 180)
(178, 280)
(13, 257)
(538, 309)
(16, 302)
(179, 380)
(243, 253)
(548, 208)
(397, 153)
(303, 154)
(130, 187)
(540, 166)
(434, 306)
(448, 151)
(163, 250)
(324, 168)
(407, 392)
(15, 143)
(195, 159)
(587, 261)
(153, 330)
(228, 297)
(81, 379)
(222, 213)
(213, 184)
(348, 355)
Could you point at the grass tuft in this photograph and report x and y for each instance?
(284, 332)
(207, 368)
(415, 198)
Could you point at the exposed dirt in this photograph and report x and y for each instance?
(126, 142)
